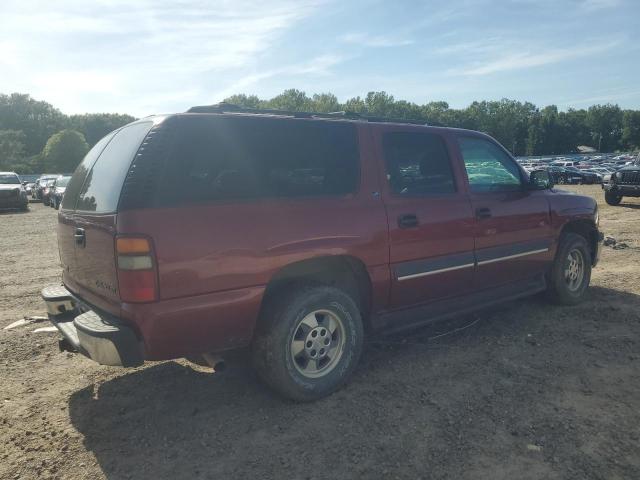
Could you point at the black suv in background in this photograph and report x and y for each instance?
(624, 183)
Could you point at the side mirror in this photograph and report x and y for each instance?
(540, 180)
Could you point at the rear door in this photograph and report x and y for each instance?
(513, 231)
(93, 224)
(66, 215)
(431, 225)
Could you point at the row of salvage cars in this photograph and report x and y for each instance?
(16, 193)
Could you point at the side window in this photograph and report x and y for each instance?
(489, 168)
(101, 189)
(238, 158)
(417, 163)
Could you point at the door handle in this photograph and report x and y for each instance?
(79, 237)
(408, 221)
(483, 213)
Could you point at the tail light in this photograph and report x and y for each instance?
(137, 270)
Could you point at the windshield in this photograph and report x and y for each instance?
(9, 179)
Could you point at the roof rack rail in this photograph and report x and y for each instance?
(225, 107)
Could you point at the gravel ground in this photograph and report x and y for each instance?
(528, 391)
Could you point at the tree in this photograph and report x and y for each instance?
(246, 101)
(94, 126)
(292, 100)
(631, 129)
(64, 151)
(12, 149)
(38, 120)
(605, 123)
(325, 102)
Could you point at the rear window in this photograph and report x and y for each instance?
(217, 159)
(417, 164)
(101, 189)
(80, 174)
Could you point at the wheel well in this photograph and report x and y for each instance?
(587, 230)
(345, 272)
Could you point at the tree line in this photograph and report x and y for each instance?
(37, 137)
(521, 127)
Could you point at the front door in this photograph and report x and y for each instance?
(431, 223)
(513, 233)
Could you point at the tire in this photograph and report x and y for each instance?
(571, 271)
(561, 180)
(288, 322)
(612, 199)
(57, 205)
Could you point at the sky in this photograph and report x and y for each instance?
(144, 57)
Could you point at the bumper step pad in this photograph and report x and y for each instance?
(99, 336)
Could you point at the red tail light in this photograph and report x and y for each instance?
(137, 271)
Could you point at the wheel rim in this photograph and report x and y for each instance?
(574, 270)
(317, 343)
(561, 180)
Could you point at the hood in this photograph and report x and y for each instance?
(630, 168)
(60, 189)
(10, 186)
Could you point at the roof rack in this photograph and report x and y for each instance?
(224, 107)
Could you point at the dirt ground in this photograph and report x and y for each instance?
(529, 391)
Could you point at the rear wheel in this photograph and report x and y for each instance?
(612, 199)
(571, 271)
(308, 341)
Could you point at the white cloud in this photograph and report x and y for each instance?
(366, 40)
(593, 5)
(68, 51)
(495, 61)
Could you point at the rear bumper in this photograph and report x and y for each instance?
(621, 189)
(97, 335)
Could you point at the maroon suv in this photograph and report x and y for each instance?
(294, 234)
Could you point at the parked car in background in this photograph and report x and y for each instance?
(294, 234)
(12, 192)
(57, 191)
(28, 186)
(624, 183)
(586, 177)
(40, 186)
(46, 191)
(561, 176)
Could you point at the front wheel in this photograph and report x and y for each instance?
(308, 341)
(612, 198)
(571, 271)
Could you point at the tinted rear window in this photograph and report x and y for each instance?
(237, 158)
(101, 189)
(80, 174)
(418, 163)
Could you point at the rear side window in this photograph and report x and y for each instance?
(101, 189)
(489, 168)
(226, 158)
(80, 174)
(417, 164)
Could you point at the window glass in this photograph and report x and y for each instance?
(489, 168)
(233, 158)
(417, 163)
(101, 189)
(9, 179)
(78, 177)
